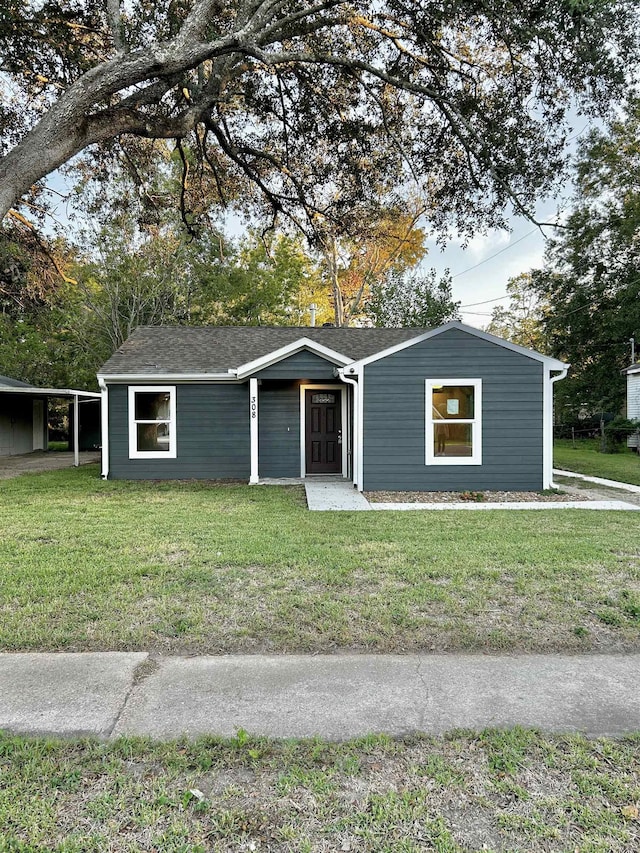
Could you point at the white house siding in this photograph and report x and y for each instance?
(633, 403)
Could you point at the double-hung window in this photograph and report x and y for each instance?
(152, 422)
(453, 422)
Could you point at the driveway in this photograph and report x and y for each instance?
(41, 460)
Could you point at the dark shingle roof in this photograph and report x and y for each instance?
(157, 350)
(8, 382)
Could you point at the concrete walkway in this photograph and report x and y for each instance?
(334, 495)
(335, 697)
(600, 481)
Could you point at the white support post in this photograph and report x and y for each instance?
(76, 430)
(104, 427)
(253, 415)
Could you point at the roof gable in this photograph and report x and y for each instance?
(286, 351)
(552, 363)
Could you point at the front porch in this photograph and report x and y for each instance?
(299, 429)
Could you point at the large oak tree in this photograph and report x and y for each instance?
(310, 104)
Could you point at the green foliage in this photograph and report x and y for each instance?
(522, 321)
(591, 279)
(618, 431)
(305, 107)
(268, 280)
(40, 312)
(402, 300)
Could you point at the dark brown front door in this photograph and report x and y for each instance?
(323, 432)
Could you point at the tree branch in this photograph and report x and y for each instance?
(114, 18)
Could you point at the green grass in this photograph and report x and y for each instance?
(510, 790)
(584, 458)
(195, 567)
(58, 446)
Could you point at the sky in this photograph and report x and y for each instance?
(480, 272)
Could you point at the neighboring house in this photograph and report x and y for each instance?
(398, 409)
(23, 415)
(633, 399)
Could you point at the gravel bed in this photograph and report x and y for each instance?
(473, 497)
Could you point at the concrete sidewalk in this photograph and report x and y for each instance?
(335, 697)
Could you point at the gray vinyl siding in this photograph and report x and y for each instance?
(300, 365)
(212, 433)
(16, 423)
(512, 416)
(279, 429)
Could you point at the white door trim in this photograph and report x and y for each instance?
(303, 422)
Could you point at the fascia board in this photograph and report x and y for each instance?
(291, 349)
(551, 363)
(153, 378)
(51, 392)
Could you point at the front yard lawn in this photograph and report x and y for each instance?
(194, 567)
(584, 458)
(496, 791)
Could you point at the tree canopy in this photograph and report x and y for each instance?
(303, 106)
(590, 284)
(522, 321)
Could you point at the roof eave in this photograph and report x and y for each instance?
(50, 392)
(166, 377)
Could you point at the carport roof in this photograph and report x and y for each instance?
(17, 386)
(7, 381)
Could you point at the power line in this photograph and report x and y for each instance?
(491, 257)
(484, 302)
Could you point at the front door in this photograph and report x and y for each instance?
(323, 438)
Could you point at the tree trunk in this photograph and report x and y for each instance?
(331, 259)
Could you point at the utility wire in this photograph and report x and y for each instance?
(491, 257)
(484, 302)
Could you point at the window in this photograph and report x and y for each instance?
(454, 421)
(152, 422)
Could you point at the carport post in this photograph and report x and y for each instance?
(76, 430)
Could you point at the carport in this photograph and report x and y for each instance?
(32, 431)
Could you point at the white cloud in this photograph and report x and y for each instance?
(483, 245)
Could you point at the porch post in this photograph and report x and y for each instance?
(76, 430)
(253, 415)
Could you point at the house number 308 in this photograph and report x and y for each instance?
(254, 407)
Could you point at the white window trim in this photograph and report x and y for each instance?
(134, 453)
(303, 423)
(476, 424)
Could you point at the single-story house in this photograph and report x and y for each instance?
(23, 415)
(452, 408)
